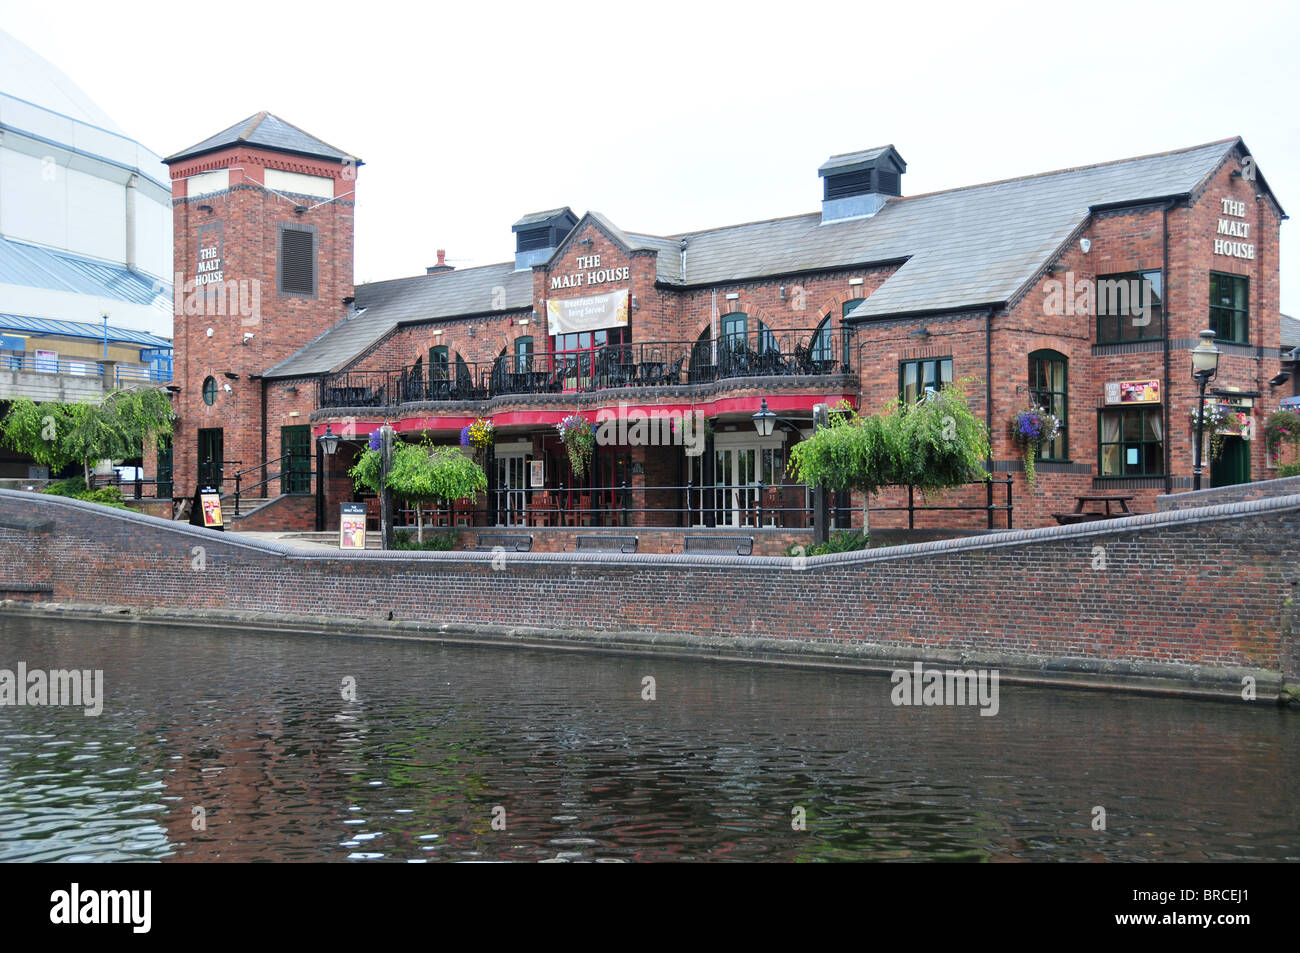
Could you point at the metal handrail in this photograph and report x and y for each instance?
(44, 365)
(756, 507)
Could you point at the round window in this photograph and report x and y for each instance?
(210, 391)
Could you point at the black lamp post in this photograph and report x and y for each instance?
(765, 423)
(327, 444)
(1205, 364)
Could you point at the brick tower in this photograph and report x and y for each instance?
(262, 216)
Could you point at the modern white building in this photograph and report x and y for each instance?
(85, 210)
(85, 246)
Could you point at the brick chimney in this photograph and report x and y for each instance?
(442, 264)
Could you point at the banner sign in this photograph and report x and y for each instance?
(1133, 392)
(352, 526)
(592, 313)
(211, 503)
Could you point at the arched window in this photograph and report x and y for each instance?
(438, 364)
(523, 354)
(821, 341)
(1048, 389)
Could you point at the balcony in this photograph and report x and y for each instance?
(44, 378)
(762, 354)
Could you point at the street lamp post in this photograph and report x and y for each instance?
(765, 423)
(1205, 364)
(326, 446)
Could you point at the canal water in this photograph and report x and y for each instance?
(221, 745)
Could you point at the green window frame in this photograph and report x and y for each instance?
(523, 354)
(439, 363)
(209, 391)
(1049, 389)
(735, 325)
(1130, 441)
(821, 340)
(1230, 307)
(1130, 307)
(916, 377)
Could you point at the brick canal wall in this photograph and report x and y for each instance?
(1263, 489)
(1186, 598)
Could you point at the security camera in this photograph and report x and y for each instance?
(227, 388)
(248, 336)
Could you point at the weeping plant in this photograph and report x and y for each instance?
(933, 444)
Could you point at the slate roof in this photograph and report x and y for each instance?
(1290, 331)
(534, 217)
(963, 248)
(382, 305)
(960, 249)
(268, 131)
(850, 161)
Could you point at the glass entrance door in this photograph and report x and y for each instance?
(512, 495)
(735, 492)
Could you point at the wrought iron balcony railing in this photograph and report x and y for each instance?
(764, 353)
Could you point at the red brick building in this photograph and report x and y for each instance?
(1081, 290)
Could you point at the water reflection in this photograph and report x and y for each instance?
(254, 730)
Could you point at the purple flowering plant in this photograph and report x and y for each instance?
(1032, 428)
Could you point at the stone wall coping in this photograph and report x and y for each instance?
(911, 551)
(1213, 492)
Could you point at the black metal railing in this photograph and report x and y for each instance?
(291, 480)
(765, 353)
(781, 505)
(988, 506)
(134, 487)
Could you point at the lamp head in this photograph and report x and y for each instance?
(329, 441)
(764, 420)
(1205, 356)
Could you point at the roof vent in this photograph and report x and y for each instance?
(442, 265)
(539, 234)
(857, 184)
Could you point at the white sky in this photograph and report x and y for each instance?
(675, 116)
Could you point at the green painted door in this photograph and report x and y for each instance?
(164, 476)
(297, 468)
(211, 451)
(1233, 465)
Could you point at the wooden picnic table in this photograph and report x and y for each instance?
(1085, 499)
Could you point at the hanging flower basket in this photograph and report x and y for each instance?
(478, 436)
(1282, 427)
(1220, 422)
(579, 439)
(1031, 429)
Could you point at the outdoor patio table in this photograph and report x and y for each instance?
(1121, 500)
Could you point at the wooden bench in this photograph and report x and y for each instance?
(1066, 519)
(740, 545)
(515, 542)
(1079, 516)
(605, 543)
